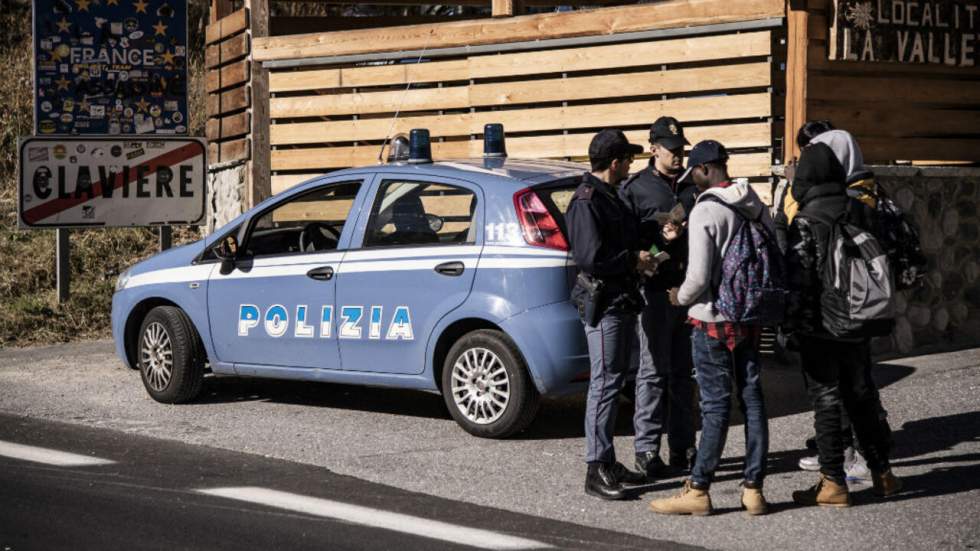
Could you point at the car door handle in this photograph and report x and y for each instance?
(321, 274)
(454, 268)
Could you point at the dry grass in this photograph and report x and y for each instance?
(29, 310)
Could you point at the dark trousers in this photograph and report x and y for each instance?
(664, 382)
(610, 341)
(718, 370)
(838, 374)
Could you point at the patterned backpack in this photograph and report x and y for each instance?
(753, 287)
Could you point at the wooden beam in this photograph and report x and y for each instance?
(622, 114)
(505, 8)
(227, 51)
(569, 60)
(226, 26)
(227, 76)
(258, 186)
(235, 150)
(796, 80)
(604, 21)
(751, 75)
(229, 101)
(905, 90)
(228, 127)
(912, 149)
(886, 121)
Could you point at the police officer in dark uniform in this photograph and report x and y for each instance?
(605, 246)
(664, 385)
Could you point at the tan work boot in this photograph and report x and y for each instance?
(753, 501)
(826, 493)
(691, 501)
(885, 483)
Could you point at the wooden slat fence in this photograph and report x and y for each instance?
(551, 102)
(228, 87)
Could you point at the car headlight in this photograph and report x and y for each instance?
(122, 280)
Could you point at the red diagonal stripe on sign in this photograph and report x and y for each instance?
(182, 153)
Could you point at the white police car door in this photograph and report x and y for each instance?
(276, 307)
(413, 261)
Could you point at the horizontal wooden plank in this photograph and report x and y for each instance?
(554, 146)
(224, 128)
(883, 150)
(282, 182)
(530, 120)
(680, 50)
(511, 93)
(435, 71)
(233, 23)
(225, 52)
(227, 76)
(528, 63)
(235, 150)
(885, 122)
(893, 90)
(603, 21)
(229, 101)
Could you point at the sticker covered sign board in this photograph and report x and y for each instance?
(110, 67)
(111, 182)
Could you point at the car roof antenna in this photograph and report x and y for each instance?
(401, 102)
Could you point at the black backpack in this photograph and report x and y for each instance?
(858, 295)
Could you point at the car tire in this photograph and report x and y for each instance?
(170, 356)
(487, 387)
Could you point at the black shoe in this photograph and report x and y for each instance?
(683, 463)
(602, 483)
(626, 476)
(650, 464)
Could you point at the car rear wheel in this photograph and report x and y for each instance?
(487, 387)
(170, 356)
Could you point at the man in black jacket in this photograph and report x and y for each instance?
(664, 386)
(836, 370)
(603, 235)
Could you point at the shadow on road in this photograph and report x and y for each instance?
(559, 418)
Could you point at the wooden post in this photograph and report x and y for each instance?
(506, 8)
(63, 265)
(797, 19)
(259, 186)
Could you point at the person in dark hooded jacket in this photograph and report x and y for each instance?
(837, 371)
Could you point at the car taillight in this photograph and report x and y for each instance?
(537, 224)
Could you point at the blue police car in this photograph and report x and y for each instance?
(450, 277)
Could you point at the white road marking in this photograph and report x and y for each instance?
(49, 456)
(376, 518)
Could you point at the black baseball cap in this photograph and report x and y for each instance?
(669, 133)
(708, 151)
(612, 144)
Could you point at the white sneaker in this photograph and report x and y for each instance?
(855, 467)
(810, 463)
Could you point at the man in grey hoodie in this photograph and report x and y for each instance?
(725, 353)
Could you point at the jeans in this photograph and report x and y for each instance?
(717, 369)
(664, 383)
(609, 353)
(839, 374)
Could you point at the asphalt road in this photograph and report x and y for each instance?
(157, 494)
(406, 441)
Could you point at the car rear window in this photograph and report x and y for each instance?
(556, 195)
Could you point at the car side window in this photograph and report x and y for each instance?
(421, 213)
(311, 222)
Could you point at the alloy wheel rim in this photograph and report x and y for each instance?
(157, 356)
(480, 386)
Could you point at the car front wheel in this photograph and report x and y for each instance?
(170, 356)
(486, 385)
